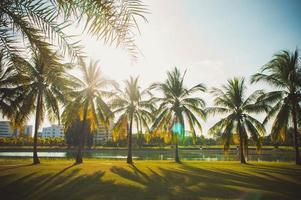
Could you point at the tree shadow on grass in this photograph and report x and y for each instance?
(15, 167)
(259, 184)
(157, 182)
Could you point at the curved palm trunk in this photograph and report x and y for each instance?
(177, 159)
(79, 156)
(129, 157)
(295, 135)
(36, 159)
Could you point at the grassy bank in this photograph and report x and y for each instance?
(108, 179)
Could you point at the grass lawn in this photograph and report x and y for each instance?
(110, 179)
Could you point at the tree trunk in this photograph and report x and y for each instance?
(246, 149)
(129, 157)
(241, 145)
(79, 156)
(177, 159)
(36, 159)
(295, 135)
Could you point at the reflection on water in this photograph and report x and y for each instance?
(204, 155)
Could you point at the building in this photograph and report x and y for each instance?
(27, 130)
(5, 129)
(102, 135)
(52, 131)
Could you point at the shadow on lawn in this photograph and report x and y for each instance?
(15, 167)
(182, 182)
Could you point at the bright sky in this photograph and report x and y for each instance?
(213, 39)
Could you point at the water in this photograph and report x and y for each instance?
(203, 155)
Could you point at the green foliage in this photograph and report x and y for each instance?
(73, 132)
(284, 73)
(132, 103)
(177, 105)
(230, 100)
(132, 108)
(28, 141)
(88, 94)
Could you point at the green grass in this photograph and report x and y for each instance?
(108, 179)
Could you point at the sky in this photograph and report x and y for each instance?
(214, 40)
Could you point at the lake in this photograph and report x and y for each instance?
(196, 154)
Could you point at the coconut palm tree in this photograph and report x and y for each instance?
(231, 101)
(177, 106)
(40, 88)
(36, 23)
(131, 108)
(86, 102)
(283, 72)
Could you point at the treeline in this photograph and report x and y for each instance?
(138, 142)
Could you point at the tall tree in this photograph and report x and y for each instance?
(283, 72)
(230, 100)
(86, 102)
(177, 106)
(132, 107)
(40, 88)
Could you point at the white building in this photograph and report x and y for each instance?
(5, 129)
(102, 135)
(52, 131)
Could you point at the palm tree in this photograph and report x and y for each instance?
(86, 102)
(37, 22)
(177, 106)
(40, 89)
(231, 100)
(131, 107)
(284, 73)
(33, 23)
(10, 88)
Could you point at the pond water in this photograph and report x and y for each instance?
(203, 155)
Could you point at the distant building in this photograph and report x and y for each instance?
(27, 130)
(5, 129)
(52, 131)
(102, 135)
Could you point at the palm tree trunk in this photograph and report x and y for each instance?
(241, 145)
(177, 159)
(295, 135)
(79, 156)
(129, 157)
(36, 159)
(241, 149)
(246, 149)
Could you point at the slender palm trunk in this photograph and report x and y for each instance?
(241, 149)
(79, 156)
(177, 159)
(241, 145)
(36, 159)
(246, 149)
(129, 158)
(295, 135)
